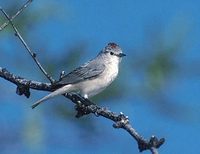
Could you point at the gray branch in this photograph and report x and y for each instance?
(84, 107)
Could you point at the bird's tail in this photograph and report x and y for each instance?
(59, 91)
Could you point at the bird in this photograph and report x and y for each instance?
(92, 77)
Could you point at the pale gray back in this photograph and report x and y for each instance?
(87, 71)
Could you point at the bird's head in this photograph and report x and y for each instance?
(112, 51)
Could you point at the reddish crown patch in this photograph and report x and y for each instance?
(112, 45)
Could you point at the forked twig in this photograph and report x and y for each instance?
(33, 55)
(16, 14)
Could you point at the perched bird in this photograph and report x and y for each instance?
(92, 77)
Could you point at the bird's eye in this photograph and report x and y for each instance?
(111, 53)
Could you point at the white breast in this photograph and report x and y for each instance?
(95, 86)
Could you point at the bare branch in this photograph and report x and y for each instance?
(33, 55)
(16, 14)
(84, 107)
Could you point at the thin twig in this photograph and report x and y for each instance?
(16, 14)
(33, 55)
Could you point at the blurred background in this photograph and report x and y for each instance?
(158, 85)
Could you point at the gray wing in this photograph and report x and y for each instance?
(86, 72)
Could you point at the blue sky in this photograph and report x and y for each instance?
(130, 23)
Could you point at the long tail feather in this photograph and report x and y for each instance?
(59, 91)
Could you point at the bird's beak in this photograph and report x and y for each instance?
(121, 55)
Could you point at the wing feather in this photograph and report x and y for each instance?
(86, 72)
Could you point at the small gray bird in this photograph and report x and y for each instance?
(92, 77)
